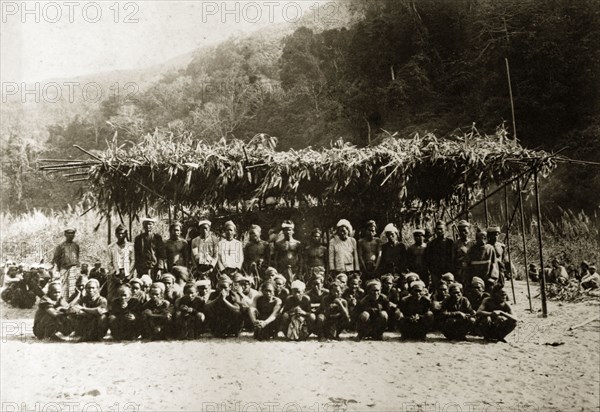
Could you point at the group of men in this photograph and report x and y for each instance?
(183, 288)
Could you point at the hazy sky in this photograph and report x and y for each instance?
(42, 40)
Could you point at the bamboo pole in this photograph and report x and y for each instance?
(485, 208)
(512, 104)
(130, 225)
(512, 282)
(541, 245)
(109, 224)
(524, 243)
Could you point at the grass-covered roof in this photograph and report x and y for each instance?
(392, 174)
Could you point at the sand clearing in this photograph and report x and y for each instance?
(542, 367)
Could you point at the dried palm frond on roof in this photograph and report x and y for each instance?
(395, 172)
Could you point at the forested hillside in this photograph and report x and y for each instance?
(377, 67)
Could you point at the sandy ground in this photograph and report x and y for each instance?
(542, 367)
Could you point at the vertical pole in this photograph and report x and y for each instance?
(512, 282)
(485, 209)
(524, 242)
(541, 247)
(466, 202)
(512, 104)
(170, 220)
(109, 224)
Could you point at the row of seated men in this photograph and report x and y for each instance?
(161, 310)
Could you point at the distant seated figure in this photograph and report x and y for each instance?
(591, 281)
(494, 317)
(558, 274)
(417, 317)
(51, 320)
(457, 316)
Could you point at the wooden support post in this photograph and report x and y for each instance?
(512, 282)
(130, 225)
(109, 225)
(524, 243)
(541, 245)
(485, 208)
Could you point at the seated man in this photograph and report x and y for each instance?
(224, 309)
(124, 319)
(156, 315)
(189, 312)
(51, 320)
(476, 293)
(591, 280)
(494, 317)
(297, 319)
(317, 291)
(172, 290)
(332, 315)
(416, 311)
(88, 313)
(457, 317)
(353, 294)
(372, 312)
(265, 311)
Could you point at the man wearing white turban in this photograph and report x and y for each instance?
(231, 251)
(343, 252)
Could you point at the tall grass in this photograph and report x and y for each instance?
(32, 237)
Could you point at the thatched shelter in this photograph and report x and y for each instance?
(398, 176)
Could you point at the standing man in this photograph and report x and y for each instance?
(416, 253)
(231, 251)
(393, 257)
(121, 262)
(499, 271)
(287, 252)
(343, 252)
(369, 248)
(256, 254)
(459, 250)
(438, 256)
(66, 261)
(149, 251)
(205, 252)
(176, 248)
(480, 259)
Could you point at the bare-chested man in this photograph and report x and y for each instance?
(287, 252)
(315, 255)
(369, 248)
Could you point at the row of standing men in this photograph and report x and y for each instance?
(205, 256)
